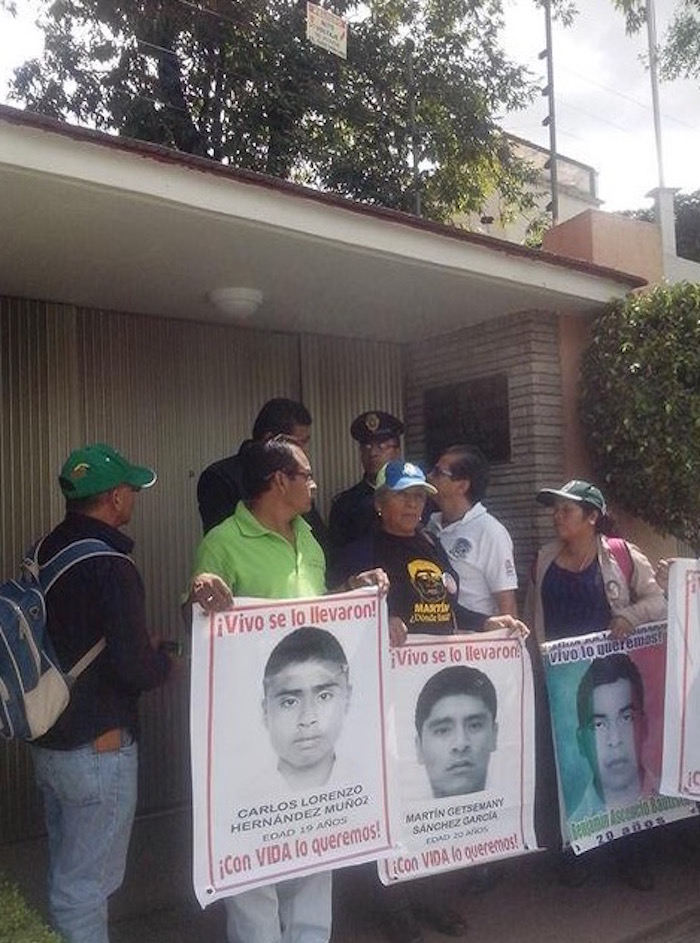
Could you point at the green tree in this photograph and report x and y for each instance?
(679, 53)
(238, 82)
(640, 407)
(687, 213)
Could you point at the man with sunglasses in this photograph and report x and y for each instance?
(353, 513)
(478, 546)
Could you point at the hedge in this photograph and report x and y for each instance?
(18, 922)
(640, 407)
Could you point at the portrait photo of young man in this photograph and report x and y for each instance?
(456, 730)
(612, 728)
(306, 696)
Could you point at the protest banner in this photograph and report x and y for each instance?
(606, 700)
(288, 764)
(680, 774)
(460, 735)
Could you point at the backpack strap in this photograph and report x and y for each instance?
(619, 548)
(47, 573)
(87, 659)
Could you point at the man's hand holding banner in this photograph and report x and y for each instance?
(287, 733)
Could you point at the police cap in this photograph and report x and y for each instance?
(375, 425)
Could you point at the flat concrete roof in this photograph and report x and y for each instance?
(101, 221)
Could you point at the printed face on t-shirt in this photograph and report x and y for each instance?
(304, 708)
(428, 580)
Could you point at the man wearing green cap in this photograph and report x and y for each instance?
(86, 765)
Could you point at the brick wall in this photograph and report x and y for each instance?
(526, 348)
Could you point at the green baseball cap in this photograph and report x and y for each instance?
(574, 490)
(98, 467)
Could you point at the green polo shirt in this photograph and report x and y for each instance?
(255, 561)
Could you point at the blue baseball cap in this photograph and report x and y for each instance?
(399, 475)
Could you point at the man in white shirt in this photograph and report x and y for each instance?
(479, 547)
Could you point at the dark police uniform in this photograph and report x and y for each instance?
(352, 511)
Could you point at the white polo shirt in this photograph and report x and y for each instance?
(481, 551)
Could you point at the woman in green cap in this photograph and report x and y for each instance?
(585, 581)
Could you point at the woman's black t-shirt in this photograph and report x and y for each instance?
(423, 588)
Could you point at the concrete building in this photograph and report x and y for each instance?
(111, 329)
(577, 191)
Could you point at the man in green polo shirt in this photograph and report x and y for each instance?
(266, 549)
(255, 558)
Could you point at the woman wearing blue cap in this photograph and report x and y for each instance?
(423, 586)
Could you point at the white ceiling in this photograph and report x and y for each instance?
(96, 221)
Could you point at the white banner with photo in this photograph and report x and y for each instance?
(460, 736)
(288, 772)
(606, 699)
(680, 775)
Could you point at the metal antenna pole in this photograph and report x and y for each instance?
(550, 120)
(654, 74)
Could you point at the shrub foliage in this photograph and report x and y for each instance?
(640, 407)
(18, 923)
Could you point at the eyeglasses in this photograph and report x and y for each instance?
(307, 476)
(437, 472)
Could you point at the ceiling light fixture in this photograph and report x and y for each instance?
(238, 302)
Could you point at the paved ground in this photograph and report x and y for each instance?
(527, 906)
(157, 905)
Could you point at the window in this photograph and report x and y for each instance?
(473, 412)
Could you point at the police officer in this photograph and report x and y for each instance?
(352, 511)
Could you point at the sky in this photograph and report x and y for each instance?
(603, 103)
